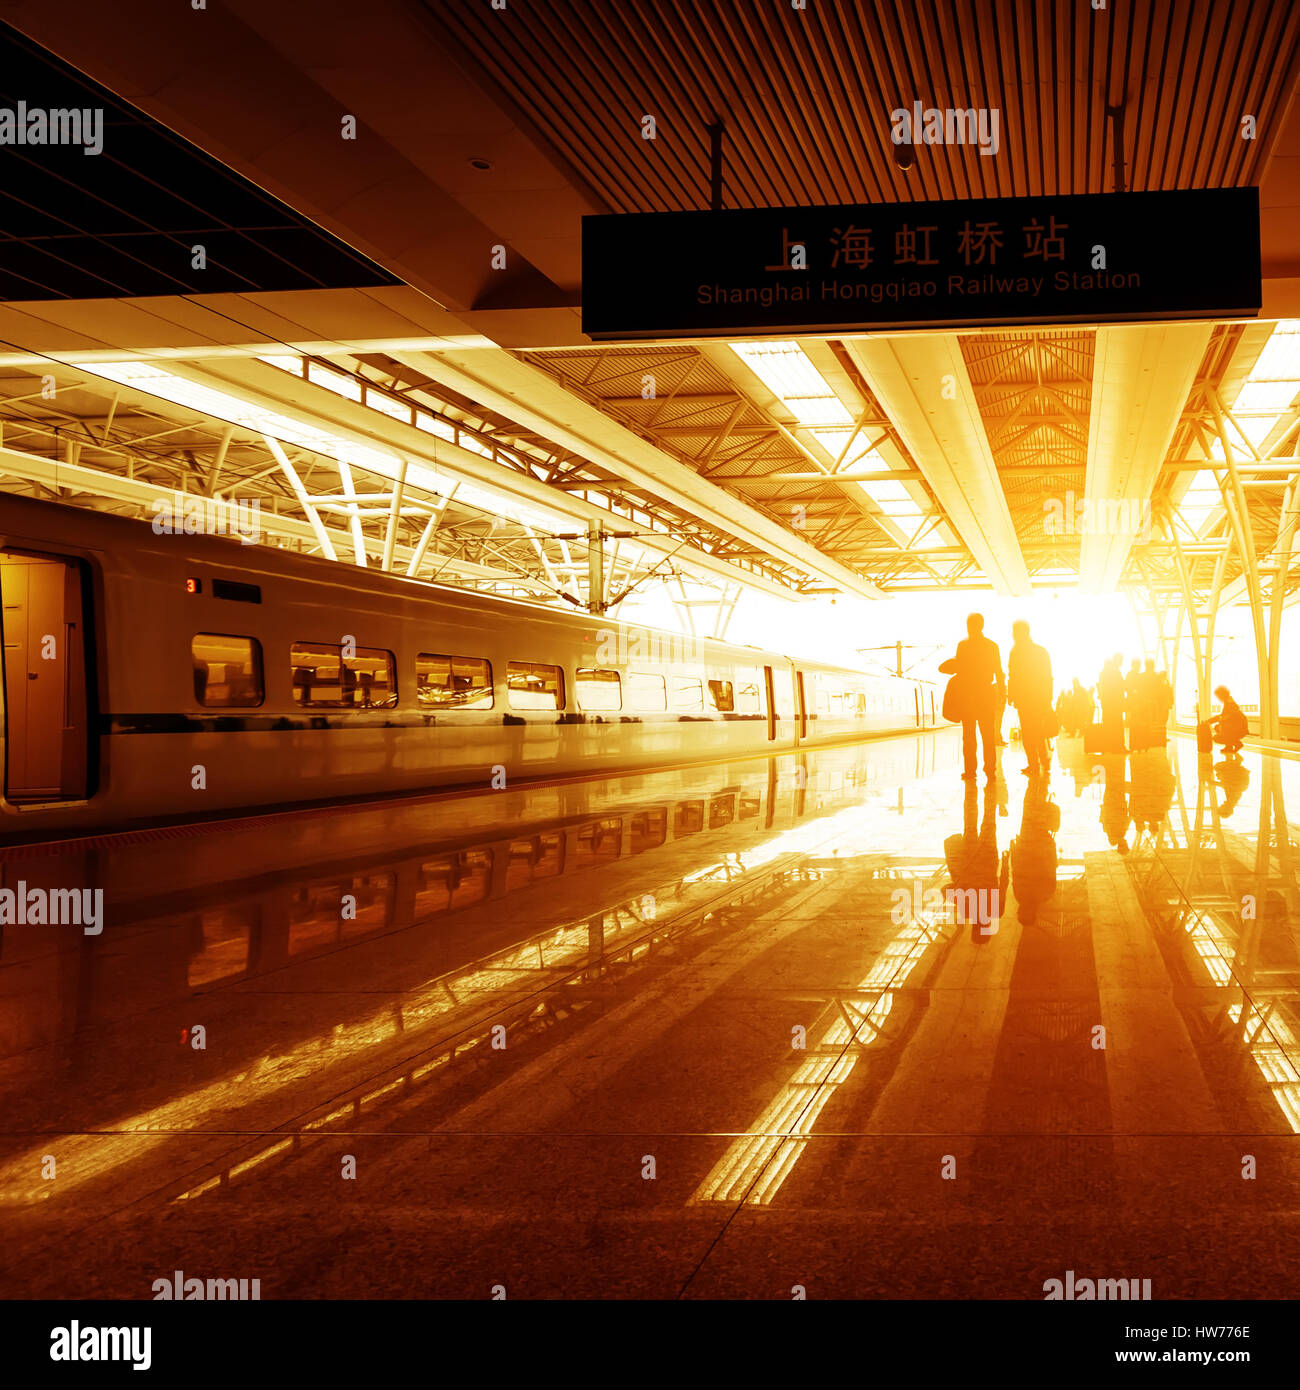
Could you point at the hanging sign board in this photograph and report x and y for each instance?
(1092, 258)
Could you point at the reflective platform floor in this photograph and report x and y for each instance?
(834, 1023)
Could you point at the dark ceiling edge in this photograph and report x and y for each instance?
(186, 145)
(481, 77)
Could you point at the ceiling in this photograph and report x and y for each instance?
(449, 236)
(127, 220)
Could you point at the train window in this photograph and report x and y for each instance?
(537, 856)
(317, 674)
(323, 678)
(451, 881)
(453, 682)
(724, 696)
(688, 693)
(597, 842)
(749, 693)
(227, 670)
(598, 690)
(645, 691)
(722, 811)
(823, 702)
(372, 904)
(533, 686)
(688, 817)
(227, 934)
(370, 679)
(647, 829)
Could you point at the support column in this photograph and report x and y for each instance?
(595, 568)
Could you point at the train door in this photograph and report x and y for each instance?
(46, 715)
(770, 690)
(916, 704)
(801, 704)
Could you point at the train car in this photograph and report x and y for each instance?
(153, 677)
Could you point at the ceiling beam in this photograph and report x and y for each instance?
(1142, 375)
(921, 381)
(534, 399)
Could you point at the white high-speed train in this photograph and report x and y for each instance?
(154, 677)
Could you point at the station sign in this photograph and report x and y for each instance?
(1084, 258)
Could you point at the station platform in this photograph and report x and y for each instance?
(835, 1023)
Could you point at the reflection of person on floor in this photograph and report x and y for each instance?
(1152, 790)
(1033, 852)
(978, 689)
(1077, 761)
(977, 889)
(1029, 688)
(1114, 801)
(1110, 694)
(1230, 725)
(1234, 777)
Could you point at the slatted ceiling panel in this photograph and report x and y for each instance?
(695, 400)
(1028, 383)
(806, 95)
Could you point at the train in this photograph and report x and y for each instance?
(152, 678)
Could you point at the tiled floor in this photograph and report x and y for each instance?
(711, 1033)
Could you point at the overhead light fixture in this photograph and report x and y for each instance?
(787, 371)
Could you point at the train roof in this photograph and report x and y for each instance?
(92, 529)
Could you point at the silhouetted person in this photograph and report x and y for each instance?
(1162, 705)
(1141, 692)
(979, 689)
(1065, 712)
(1110, 693)
(1133, 702)
(1083, 705)
(1074, 709)
(1029, 688)
(1230, 726)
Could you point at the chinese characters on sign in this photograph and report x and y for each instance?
(1089, 258)
(913, 245)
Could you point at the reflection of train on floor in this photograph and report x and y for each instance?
(152, 676)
